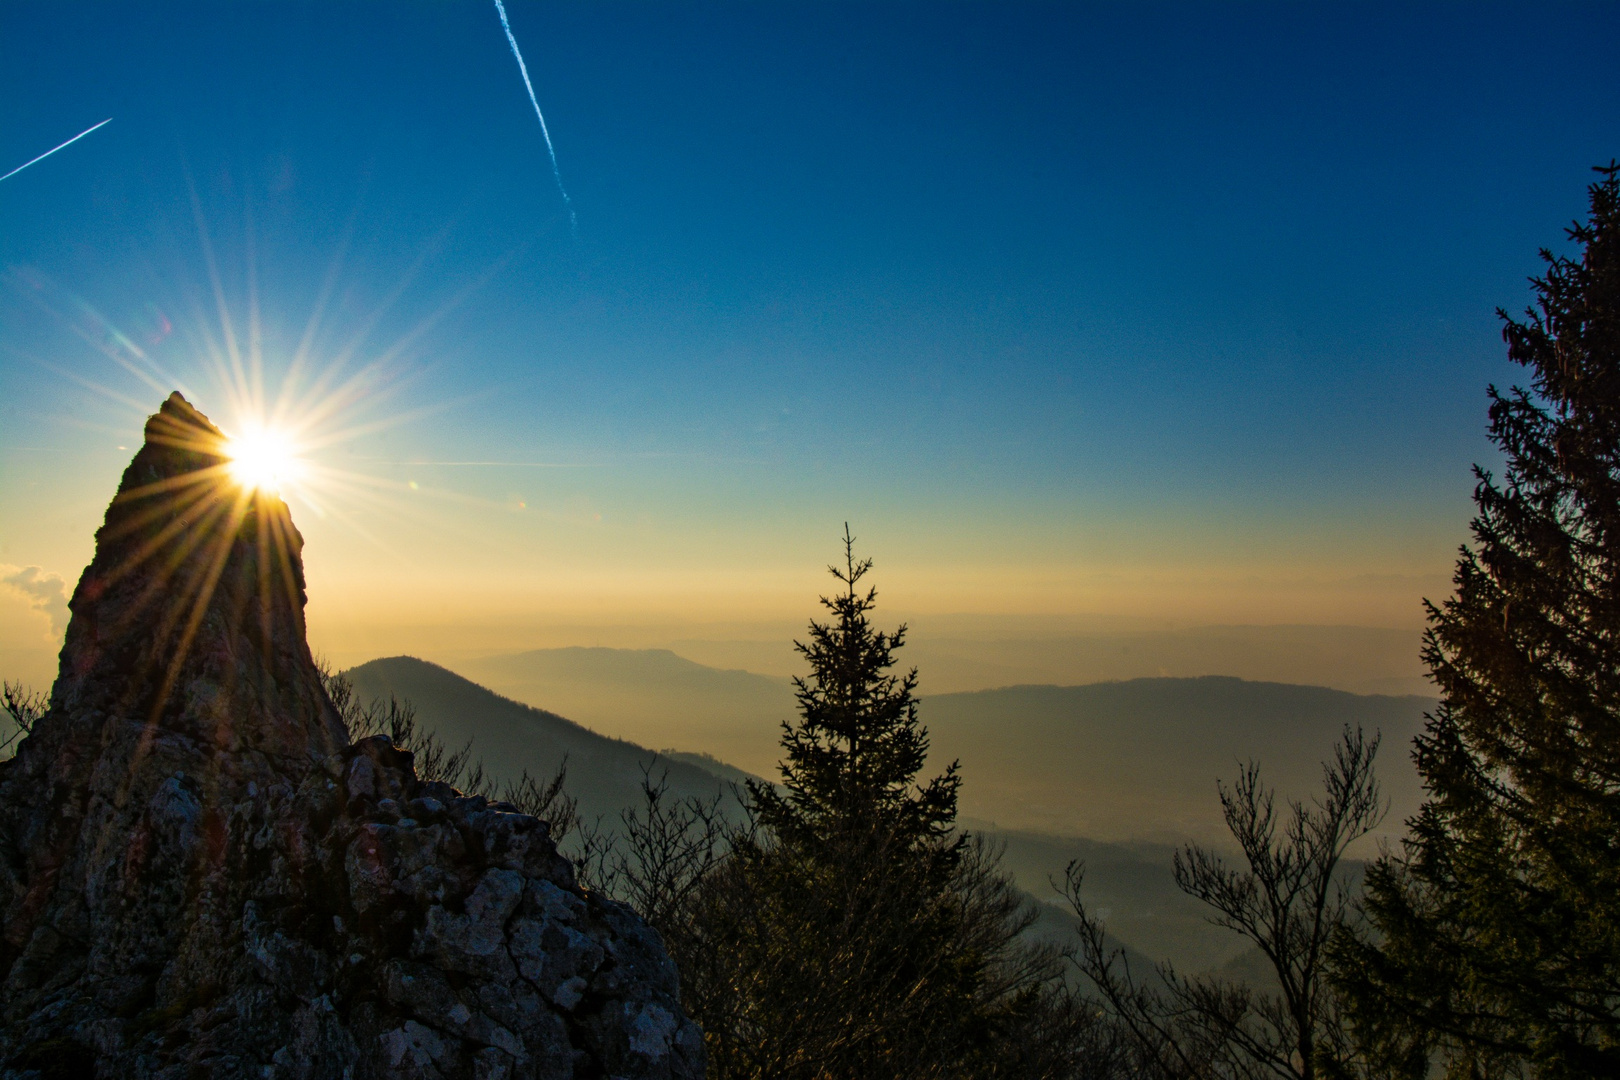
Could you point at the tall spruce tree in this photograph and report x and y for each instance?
(1494, 937)
(856, 935)
(853, 757)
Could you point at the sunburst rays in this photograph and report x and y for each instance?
(210, 533)
(218, 535)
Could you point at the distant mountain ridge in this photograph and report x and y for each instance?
(654, 697)
(1116, 760)
(1140, 759)
(1362, 660)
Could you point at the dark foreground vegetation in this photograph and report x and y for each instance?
(842, 926)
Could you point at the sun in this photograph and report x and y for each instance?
(263, 459)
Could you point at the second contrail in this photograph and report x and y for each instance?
(107, 121)
(524, 68)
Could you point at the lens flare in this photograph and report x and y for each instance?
(264, 459)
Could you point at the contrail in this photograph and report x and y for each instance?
(107, 121)
(524, 68)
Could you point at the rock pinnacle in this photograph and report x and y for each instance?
(200, 876)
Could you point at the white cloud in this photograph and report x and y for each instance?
(44, 591)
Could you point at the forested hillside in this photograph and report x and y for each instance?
(1138, 760)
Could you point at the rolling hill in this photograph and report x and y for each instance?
(1139, 760)
(650, 696)
(1129, 760)
(604, 774)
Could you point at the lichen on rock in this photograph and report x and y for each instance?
(202, 877)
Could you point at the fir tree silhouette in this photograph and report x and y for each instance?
(1496, 939)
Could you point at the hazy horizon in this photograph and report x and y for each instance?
(953, 652)
(1128, 340)
(1182, 315)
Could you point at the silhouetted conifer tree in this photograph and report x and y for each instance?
(855, 934)
(854, 755)
(1495, 938)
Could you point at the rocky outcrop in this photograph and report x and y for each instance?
(201, 877)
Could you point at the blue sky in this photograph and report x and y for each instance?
(1053, 291)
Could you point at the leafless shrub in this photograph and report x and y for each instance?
(1288, 900)
(396, 718)
(23, 707)
(661, 852)
(548, 801)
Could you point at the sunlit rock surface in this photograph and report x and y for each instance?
(202, 878)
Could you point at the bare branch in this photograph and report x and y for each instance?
(23, 707)
(1287, 898)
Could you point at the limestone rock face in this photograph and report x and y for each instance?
(201, 877)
